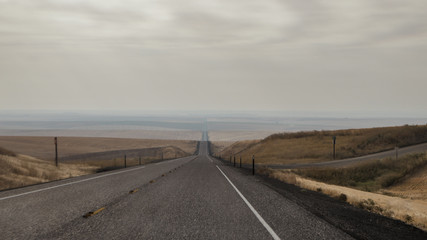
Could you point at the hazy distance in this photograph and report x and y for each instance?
(221, 126)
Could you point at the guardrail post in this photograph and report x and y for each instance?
(253, 164)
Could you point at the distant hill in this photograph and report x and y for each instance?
(316, 146)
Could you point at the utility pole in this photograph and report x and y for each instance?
(56, 151)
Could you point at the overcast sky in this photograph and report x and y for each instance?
(279, 55)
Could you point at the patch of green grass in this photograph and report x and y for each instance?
(370, 176)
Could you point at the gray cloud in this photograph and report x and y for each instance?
(241, 55)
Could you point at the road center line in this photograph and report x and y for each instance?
(264, 223)
(70, 183)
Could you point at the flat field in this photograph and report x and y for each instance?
(44, 148)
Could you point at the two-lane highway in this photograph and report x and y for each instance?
(190, 198)
(194, 197)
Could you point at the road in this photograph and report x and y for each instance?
(196, 197)
(346, 162)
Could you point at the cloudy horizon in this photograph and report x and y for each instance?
(333, 56)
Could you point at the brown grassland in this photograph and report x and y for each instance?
(316, 146)
(43, 147)
(29, 160)
(21, 170)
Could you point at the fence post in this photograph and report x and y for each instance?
(240, 161)
(234, 161)
(125, 160)
(139, 160)
(334, 138)
(253, 164)
(56, 151)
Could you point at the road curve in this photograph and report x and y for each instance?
(189, 198)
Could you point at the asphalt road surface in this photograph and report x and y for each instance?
(196, 197)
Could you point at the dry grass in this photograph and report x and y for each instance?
(85, 156)
(105, 164)
(413, 186)
(219, 146)
(316, 146)
(233, 148)
(370, 176)
(7, 152)
(43, 147)
(413, 212)
(21, 170)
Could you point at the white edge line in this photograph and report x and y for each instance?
(70, 183)
(265, 224)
